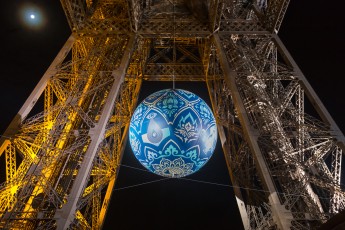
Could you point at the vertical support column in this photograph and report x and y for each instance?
(226, 150)
(281, 216)
(239, 199)
(66, 214)
(326, 117)
(312, 96)
(111, 184)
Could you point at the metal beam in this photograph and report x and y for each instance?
(66, 214)
(38, 90)
(311, 94)
(281, 216)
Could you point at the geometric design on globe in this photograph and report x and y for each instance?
(173, 133)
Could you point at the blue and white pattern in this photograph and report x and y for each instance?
(173, 133)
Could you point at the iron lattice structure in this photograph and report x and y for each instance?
(62, 163)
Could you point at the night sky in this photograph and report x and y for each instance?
(313, 32)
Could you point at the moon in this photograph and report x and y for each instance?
(32, 16)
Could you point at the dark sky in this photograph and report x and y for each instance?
(313, 32)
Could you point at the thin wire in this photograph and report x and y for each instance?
(218, 184)
(253, 189)
(174, 48)
(127, 166)
(199, 181)
(136, 185)
(205, 182)
(6, 136)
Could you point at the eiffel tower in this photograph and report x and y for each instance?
(63, 149)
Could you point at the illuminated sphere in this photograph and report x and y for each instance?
(173, 133)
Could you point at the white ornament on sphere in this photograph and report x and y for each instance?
(173, 133)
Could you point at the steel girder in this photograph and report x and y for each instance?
(285, 163)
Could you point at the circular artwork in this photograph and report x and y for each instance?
(173, 133)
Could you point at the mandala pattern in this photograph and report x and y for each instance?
(175, 168)
(173, 133)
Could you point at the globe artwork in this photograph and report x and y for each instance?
(173, 133)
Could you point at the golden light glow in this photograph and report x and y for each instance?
(14, 189)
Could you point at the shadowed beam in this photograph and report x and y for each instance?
(198, 8)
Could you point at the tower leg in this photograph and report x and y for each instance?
(65, 215)
(281, 216)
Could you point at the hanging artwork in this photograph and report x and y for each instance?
(173, 133)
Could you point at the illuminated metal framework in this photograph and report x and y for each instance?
(61, 164)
